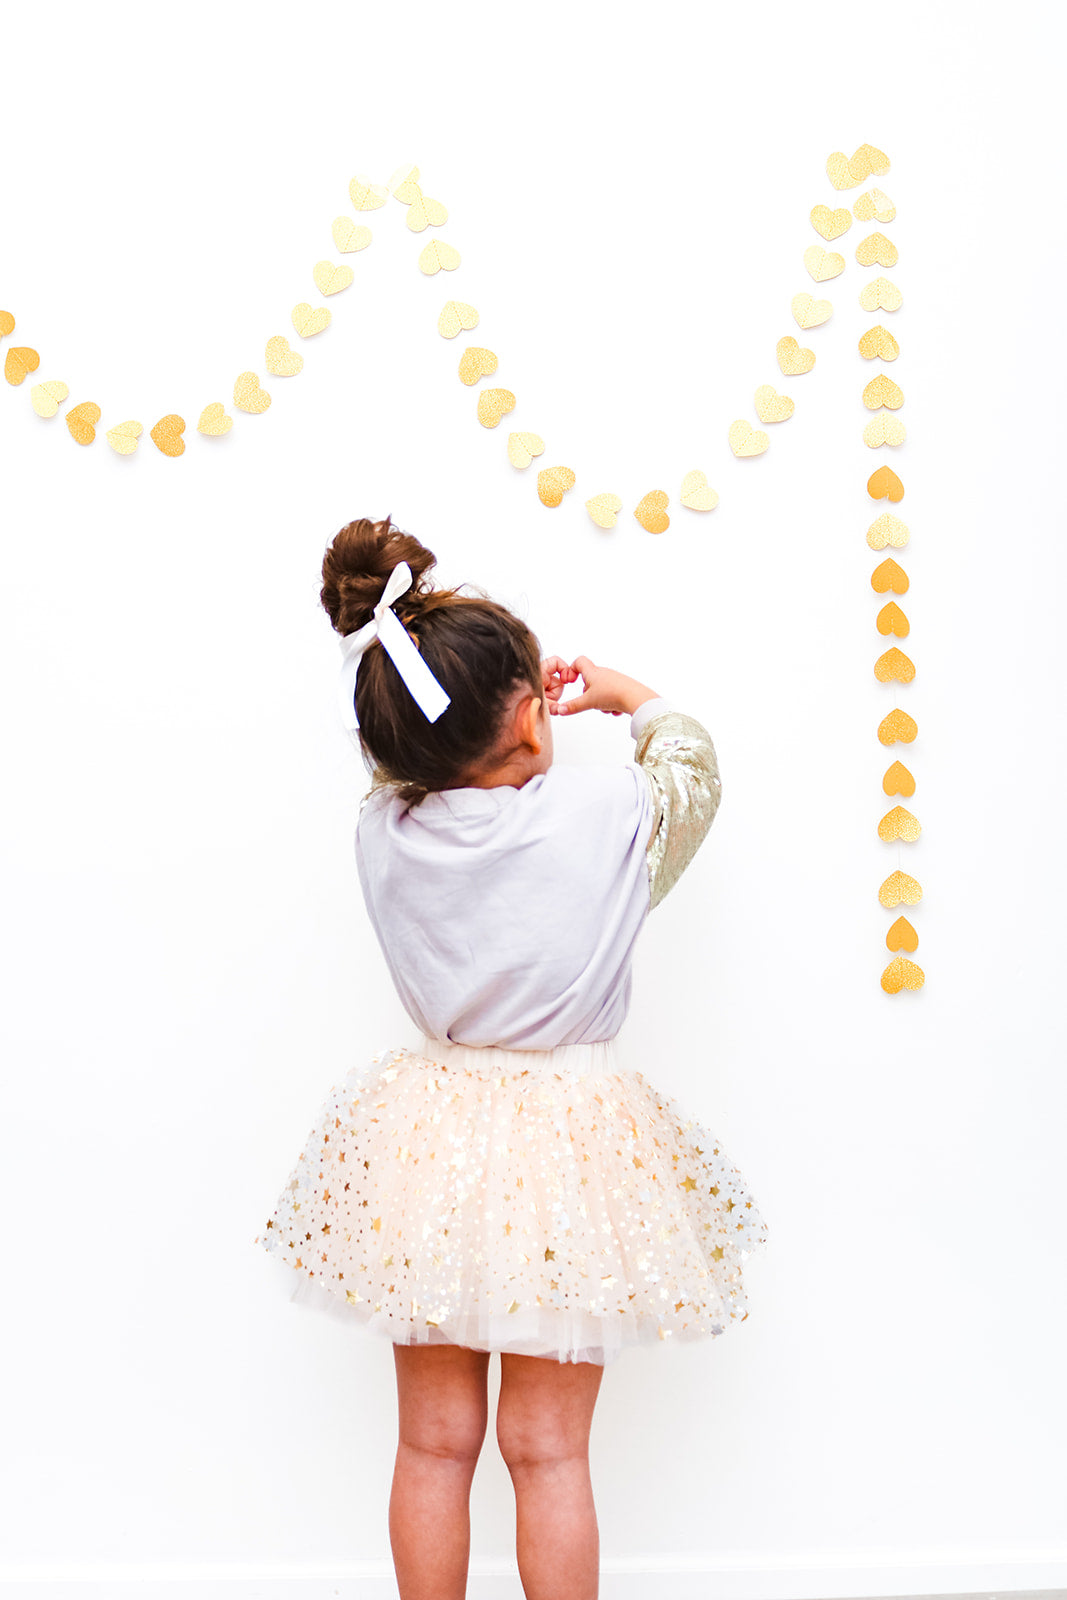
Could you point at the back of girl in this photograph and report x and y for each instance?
(498, 1182)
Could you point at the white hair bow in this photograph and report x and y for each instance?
(398, 643)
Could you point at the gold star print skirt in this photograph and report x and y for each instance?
(545, 1202)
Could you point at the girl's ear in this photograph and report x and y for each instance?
(529, 727)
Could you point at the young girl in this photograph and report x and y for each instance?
(500, 1183)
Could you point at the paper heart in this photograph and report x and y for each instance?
(878, 341)
(884, 429)
(522, 447)
(831, 224)
(349, 235)
(877, 250)
(553, 483)
(492, 404)
(406, 173)
(745, 440)
(167, 434)
(897, 727)
(874, 206)
(425, 213)
(881, 295)
(456, 314)
(283, 362)
(845, 172)
(892, 620)
(888, 529)
(7, 324)
(46, 397)
(900, 888)
(809, 312)
(475, 363)
(366, 196)
(697, 493)
(898, 780)
(309, 320)
(438, 255)
(248, 395)
(20, 360)
(214, 421)
(882, 391)
(651, 511)
(793, 359)
(772, 406)
(80, 419)
(604, 509)
(894, 664)
(899, 824)
(331, 278)
(883, 484)
(823, 264)
(902, 974)
(889, 576)
(123, 437)
(902, 936)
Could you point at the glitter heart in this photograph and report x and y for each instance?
(894, 664)
(214, 421)
(604, 509)
(123, 437)
(899, 888)
(167, 434)
(823, 264)
(874, 206)
(553, 483)
(331, 278)
(522, 447)
(898, 780)
(46, 397)
(492, 404)
(772, 406)
(651, 511)
(809, 312)
(247, 394)
(897, 726)
(902, 936)
(877, 251)
(831, 224)
(280, 359)
(456, 314)
(80, 421)
(902, 974)
(883, 484)
(309, 320)
(437, 256)
(20, 360)
(892, 620)
(793, 359)
(884, 429)
(889, 576)
(899, 824)
(882, 391)
(349, 235)
(366, 196)
(878, 341)
(888, 529)
(745, 440)
(881, 295)
(475, 363)
(697, 493)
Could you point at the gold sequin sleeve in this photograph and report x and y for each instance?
(678, 758)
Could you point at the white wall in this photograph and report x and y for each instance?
(188, 963)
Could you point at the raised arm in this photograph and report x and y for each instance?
(678, 758)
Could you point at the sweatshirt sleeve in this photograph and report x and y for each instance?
(678, 758)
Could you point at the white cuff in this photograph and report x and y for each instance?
(646, 711)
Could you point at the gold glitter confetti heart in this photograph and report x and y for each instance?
(123, 437)
(456, 314)
(894, 665)
(745, 440)
(809, 312)
(437, 255)
(883, 484)
(878, 341)
(902, 936)
(884, 429)
(46, 397)
(522, 447)
(247, 394)
(892, 620)
(888, 529)
(167, 434)
(900, 888)
(331, 278)
(7, 324)
(898, 780)
(309, 320)
(897, 726)
(902, 974)
(364, 195)
(877, 251)
(899, 824)
(882, 391)
(604, 509)
(793, 359)
(214, 421)
(281, 361)
(492, 404)
(845, 172)
(889, 576)
(697, 493)
(772, 406)
(20, 360)
(874, 206)
(881, 295)
(404, 183)
(823, 264)
(349, 235)
(80, 419)
(476, 362)
(831, 224)
(553, 483)
(651, 511)
(425, 213)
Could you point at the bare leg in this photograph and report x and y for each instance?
(443, 1409)
(544, 1414)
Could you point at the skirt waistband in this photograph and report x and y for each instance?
(586, 1060)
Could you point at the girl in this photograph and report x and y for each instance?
(501, 1183)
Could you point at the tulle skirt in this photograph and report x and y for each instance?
(545, 1202)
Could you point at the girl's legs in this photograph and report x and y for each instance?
(443, 1403)
(544, 1414)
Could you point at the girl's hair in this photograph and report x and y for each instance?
(478, 651)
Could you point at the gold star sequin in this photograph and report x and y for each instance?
(550, 1255)
(689, 1183)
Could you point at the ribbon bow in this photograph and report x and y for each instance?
(386, 626)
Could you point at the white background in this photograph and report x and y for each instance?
(188, 961)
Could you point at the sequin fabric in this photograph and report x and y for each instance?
(544, 1202)
(678, 758)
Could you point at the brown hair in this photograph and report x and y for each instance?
(477, 649)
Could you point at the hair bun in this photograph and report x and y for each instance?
(357, 565)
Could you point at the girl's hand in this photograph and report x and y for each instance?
(605, 690)
(555, 675)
